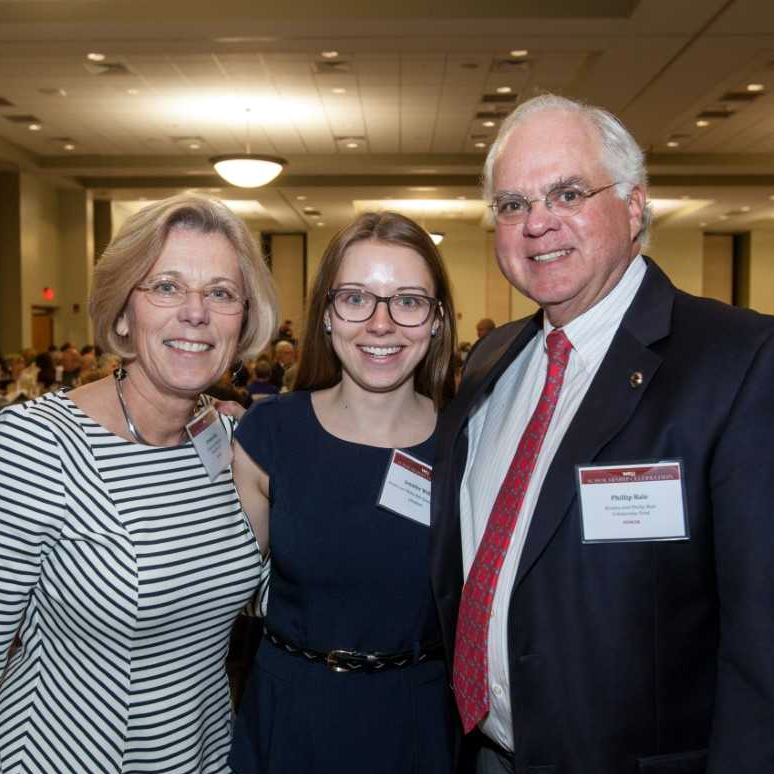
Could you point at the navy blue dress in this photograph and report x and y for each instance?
(346, 574)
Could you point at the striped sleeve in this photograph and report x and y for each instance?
(32, 509)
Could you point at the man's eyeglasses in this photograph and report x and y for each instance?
(217, 298)
(408, 310)
(512, 208)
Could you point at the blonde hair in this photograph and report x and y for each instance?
(139, 242)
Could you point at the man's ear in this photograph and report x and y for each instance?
(636, 202)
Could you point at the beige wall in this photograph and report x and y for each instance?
(42, 265)
(680, 253)
(287, 267)
(762, 271)
(77, 256)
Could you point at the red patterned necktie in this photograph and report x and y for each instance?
(470, 674)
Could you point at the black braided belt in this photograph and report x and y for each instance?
(357, 661)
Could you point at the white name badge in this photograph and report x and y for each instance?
(632, 502)
(406, 487)
(210, 440)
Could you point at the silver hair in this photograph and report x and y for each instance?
(621, 156)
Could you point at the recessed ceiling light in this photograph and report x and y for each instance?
(755, 87)
(518, 52)
(69, 147)
(35, 127)
(746, 208)
(301, 198)
(503, 89)
(95, 56)
(133, 92)
(194, 146)
(319, 223)
(702, 122)
(339, 91)
(352, 145)
(329, 54)
(308, 209)
(489, 123)
(673, 144)
(480, 145)
(422, 188)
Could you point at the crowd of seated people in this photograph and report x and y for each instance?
(29, 374)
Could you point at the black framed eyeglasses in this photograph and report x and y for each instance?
(409, 310)
(564, 201)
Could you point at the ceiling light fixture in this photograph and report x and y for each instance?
(248, 170)
(519, 52)
(489, 124)
(702, 122)
(673, 144)
(352, 145)
(35, 127)
(479, 145)
(133, 92)
(755, 87)
(69, 147)
(329, 54)
(436, 236)
(339, 91)
(95, 56)
(503, 89)
(301, 198)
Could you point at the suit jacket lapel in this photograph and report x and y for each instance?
(609, 403)
(485, 365)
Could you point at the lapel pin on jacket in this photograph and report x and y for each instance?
(635, 379)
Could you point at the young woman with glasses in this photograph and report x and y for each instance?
(349, 676)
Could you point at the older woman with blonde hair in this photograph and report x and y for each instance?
(126, 554)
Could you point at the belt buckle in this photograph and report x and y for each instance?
(332, 660)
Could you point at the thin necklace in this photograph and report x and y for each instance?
(119, 375)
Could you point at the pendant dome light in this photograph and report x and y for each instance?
(248, 170)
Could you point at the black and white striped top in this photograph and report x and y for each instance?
(122, 569)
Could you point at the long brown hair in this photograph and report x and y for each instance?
(319, 366)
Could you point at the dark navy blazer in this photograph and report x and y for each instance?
(649, 656)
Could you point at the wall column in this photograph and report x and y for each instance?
(761, 289)
(10, 264)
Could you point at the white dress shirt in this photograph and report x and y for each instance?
(494, 430)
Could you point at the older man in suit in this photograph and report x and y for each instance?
(603, 499)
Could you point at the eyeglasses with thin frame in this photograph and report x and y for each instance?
(409, 310)
(564, 201)
(221, 299)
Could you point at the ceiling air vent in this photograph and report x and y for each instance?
(324, 67)
(491, 115)
(107, 68)
(510, 65)
(715, 114)
(22, 119)
(740, 96)
(502, 99)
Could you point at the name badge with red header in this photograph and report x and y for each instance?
(211, 442)
(631, 502)
(406, 487)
